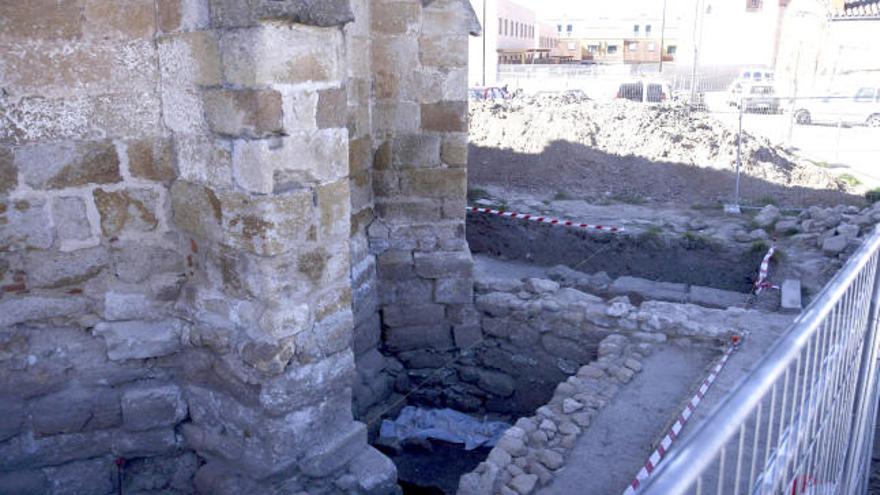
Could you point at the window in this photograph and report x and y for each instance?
(500, 26)
(593, 48)
(670, 50)
(559, 28)
(505, 27)
(753, 5)
(636, 29)
(612, 49)
(633, 46)
(568, 28)
(647, 30)
(864, 95)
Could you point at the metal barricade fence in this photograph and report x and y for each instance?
(803, 421)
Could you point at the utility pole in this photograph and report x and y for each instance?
(662, 35)
(696, 51)
(485, 34)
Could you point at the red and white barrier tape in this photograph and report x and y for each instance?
(764, 272)
(552, 221)
(658, 455)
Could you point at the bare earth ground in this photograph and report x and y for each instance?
(601, 151)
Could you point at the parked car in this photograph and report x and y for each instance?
(645, 91)
(860, 106)
(755, 75)
(489, 93)
(754, 97)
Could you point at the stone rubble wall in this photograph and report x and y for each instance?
(529, 453)
(185, 193)
(534, 333)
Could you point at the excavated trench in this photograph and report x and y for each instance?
(652, 254)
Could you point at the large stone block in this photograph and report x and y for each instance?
(436, 336)
(11, 417)
(120, 306)
(151, 159)
(141, 340)
(443, 264)
(282, 54)
(8, 172)
(120, 19)
(649, 289)
(126, 211)
(375, 473)
(152, 407)
(183, 15)
(52, 269)
(96, 476)
(34, 308)
(205, 160)
(454, 152)
(416, 151)
(443, 52)
(42, 19)
(445, 116)
(72, 221)
(389, 18)
(163, 441)
(61, 165)
(28, 452)
(454, 290)
(396, 116)
(435, 182)
(400, 315)
(305, 385)
(25, 224)
(190, 59)
(75, 410)
(334, 210)
(335, 452)
(332, 108)
(25, 482)
(133, 261)
(239, 13)
(292, 162)
(251, 113)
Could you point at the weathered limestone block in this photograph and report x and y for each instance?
(189, 59)
(396, 116)
(437, 336)
(133, 261)
(239, 13)
(649, 289)
(443, 52)
(52, 269)
(454, 291)
(152, 407)
(444, 116)
(129, 20)
(332, 108)
(61, 165)
(305, 385)
(26, 452)
(129, 444)
(151, 159)
(91, 476)
(375, 473)
(76, 410)
(444, 264)
(390, 18)
(252, 113)
(141, 340)
(290, 162)
(454, 152)
(72, 222)
(42, 19)
(271, 359)
(416, 151)
(33, 307)
(333, 453)
(31, 482)
(127, 211)
(413, 314)
(282, 54)
(435, 183)
(205, 160)
(396, 265)
(11, 418)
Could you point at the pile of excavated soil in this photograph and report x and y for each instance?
(620, 149)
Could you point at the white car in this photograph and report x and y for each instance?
(858, 107)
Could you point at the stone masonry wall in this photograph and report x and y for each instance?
(192, 197)
(419, 64)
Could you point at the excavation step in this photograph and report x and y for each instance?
(791, 295)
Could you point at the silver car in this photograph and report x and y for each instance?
(858, 107)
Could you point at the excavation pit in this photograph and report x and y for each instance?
(649, 253)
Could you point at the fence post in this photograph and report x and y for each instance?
(866, 396)
(738, 152)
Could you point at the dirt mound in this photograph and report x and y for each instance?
(617, 148)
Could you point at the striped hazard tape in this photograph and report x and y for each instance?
(540, 219)
(662, 449)
(764, 272)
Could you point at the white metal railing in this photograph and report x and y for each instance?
(803, 421)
